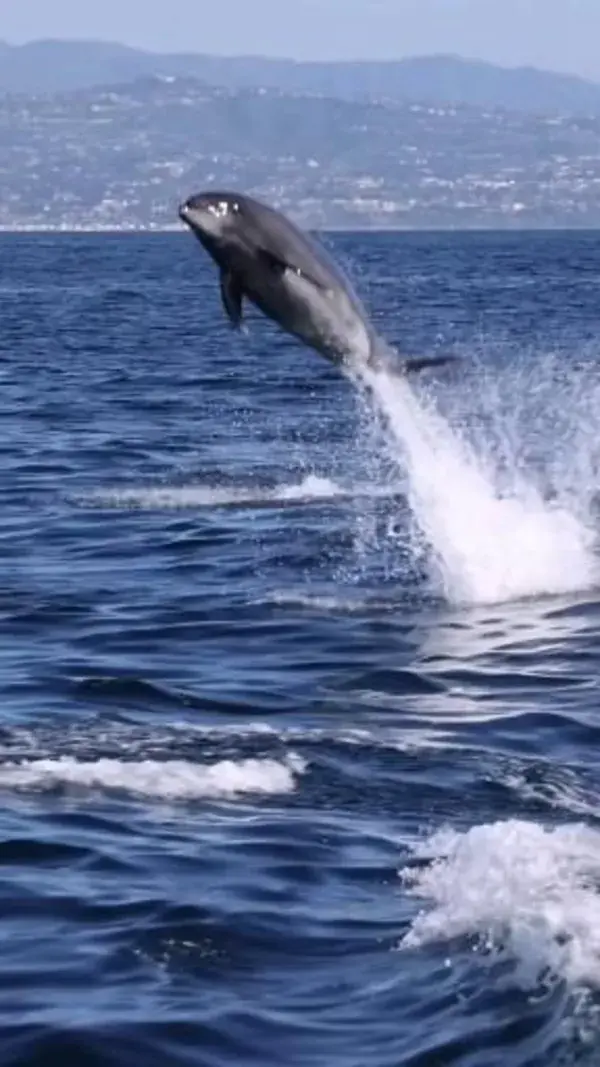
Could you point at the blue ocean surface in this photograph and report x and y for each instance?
(299, 676)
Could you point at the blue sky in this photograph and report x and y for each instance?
(556, 34)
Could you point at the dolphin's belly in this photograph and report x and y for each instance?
(324, 320)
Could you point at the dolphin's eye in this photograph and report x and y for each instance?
(220, 209)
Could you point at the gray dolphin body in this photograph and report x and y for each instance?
(264, 257)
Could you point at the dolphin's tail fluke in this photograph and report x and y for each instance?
(413, 366)
(384, 357)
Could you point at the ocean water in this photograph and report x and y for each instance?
(299, 676)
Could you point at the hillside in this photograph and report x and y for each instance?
(124, 157)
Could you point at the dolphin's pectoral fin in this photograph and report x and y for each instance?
(231, 295)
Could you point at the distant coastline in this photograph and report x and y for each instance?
(120, 157)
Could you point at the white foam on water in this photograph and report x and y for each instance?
(327, 604)
(522, 890)
(172, 498)
(162, 780)
(491, 543)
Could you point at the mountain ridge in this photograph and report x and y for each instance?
(55, 65)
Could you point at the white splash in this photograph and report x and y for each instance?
(523, 890)
(166, 780)
(490, 544)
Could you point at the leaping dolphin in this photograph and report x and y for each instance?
(263, 256)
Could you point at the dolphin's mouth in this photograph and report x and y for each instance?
(187, 217)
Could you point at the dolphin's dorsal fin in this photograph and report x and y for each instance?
(231, 295)
(279, 265)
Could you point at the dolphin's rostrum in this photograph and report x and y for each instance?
(264, 257)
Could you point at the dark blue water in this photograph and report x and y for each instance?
(270, 793)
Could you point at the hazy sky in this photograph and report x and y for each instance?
(557, 34)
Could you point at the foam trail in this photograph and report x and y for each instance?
(488, 548)
(208, 496)
(171, 780)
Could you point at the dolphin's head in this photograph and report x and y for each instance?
(212, 217)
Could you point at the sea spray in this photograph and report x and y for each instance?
(488, 544)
